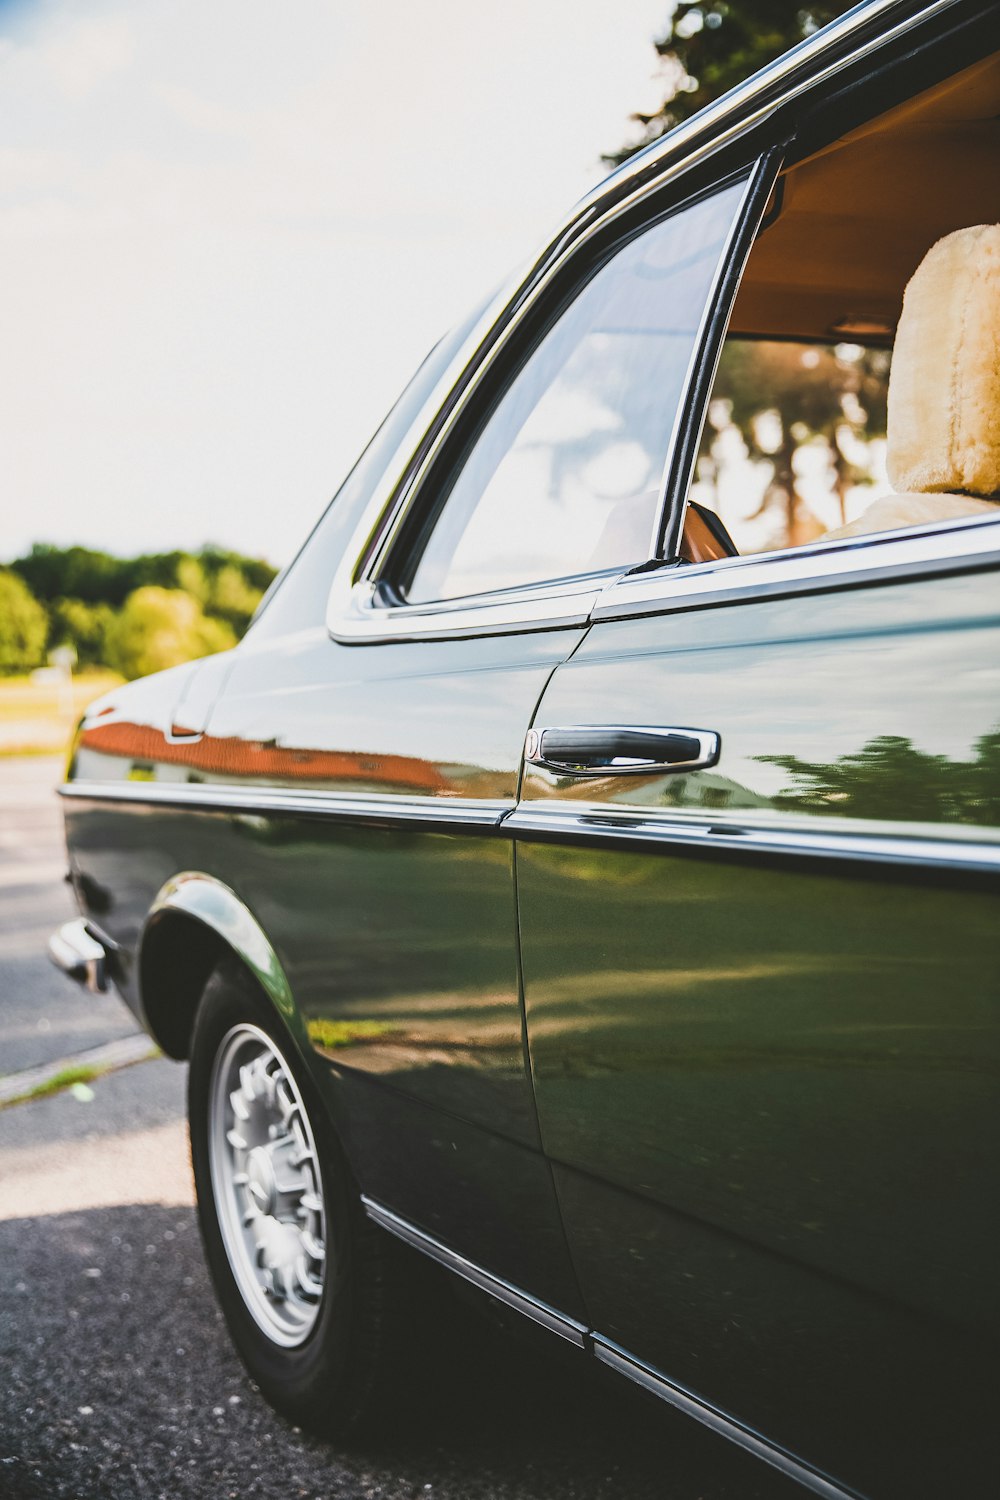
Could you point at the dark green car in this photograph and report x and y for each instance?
(585, 869)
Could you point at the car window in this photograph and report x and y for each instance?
(795, 441)
(564, 476)
(856, 392)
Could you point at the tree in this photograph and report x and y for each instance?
(220, 583)
(158, 628)
(24, 625)
(74, 573)
(93, 577)
(709, 48)
(82, 626)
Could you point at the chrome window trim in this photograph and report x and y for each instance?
(556, 605)
(702, 1411)
(968, 544)
(356, 611)
(523, 1302)
(550, 821)
(479, 814)
(353, 612)
(351, 616)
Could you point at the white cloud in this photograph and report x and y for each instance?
(230, 232)
(81, 56)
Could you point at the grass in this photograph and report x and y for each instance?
(64, 1079)
(37, 718)
(78, 1073)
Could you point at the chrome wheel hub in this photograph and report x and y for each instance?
(267, 1185)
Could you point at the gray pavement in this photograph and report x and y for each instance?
(116, 1375)
(41, 1016)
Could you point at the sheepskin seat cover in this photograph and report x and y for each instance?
(944, 388)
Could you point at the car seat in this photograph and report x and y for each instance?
(943, 452)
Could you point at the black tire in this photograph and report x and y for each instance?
(330, 1381)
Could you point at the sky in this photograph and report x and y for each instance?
(231, 230)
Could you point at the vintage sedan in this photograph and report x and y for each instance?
(585, 868)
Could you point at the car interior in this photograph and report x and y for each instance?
(879, 253)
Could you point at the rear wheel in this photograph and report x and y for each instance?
(304, 1280)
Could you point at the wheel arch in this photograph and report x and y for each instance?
(194, 923)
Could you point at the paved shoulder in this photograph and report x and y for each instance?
(42, 1014)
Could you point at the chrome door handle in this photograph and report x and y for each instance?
(620, 749)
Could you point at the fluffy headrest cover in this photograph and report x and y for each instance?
(944, 388)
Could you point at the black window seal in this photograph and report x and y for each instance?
(693, 409)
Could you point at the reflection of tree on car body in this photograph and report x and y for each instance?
(889, 773)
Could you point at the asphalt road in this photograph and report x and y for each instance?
(41, 1017)
(116, 1375)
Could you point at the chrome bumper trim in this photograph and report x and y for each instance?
(75, 951)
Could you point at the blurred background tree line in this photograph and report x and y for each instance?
(132, 615)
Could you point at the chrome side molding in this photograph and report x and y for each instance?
(589, 823)
(75, 950)
(522, 1302)
(609, 1354)
(593, 824)
(443, 813)
(744, 1437)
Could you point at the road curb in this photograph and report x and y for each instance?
(19, 1087)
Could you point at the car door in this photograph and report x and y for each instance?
(384, 745)
(756, 857)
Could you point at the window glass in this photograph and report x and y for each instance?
(794, 445)
(564, 477)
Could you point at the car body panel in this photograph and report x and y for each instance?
(376, 872)
(766, 1079)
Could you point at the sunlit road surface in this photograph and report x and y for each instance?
(117, 1378)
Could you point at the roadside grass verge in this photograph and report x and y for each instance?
(67, 1073)
(64, 1079)
(37, 718)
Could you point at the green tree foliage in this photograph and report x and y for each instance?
(221, 587)
(98, 578)
(709, 48)
(136, 614)
(82, 626)
(158, 628)
(24, 626)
